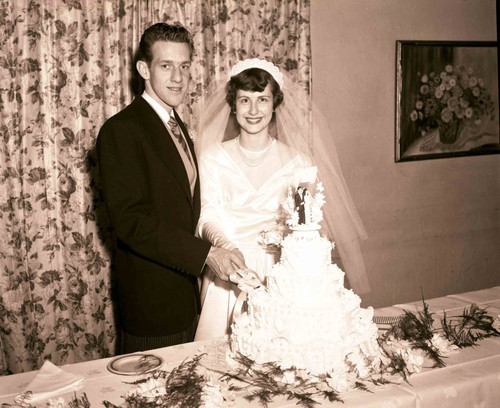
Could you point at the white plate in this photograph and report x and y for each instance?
(135, 364)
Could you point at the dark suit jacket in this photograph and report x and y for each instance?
(146, 190)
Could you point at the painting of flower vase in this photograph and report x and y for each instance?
(446, 99)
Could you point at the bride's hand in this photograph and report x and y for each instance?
(246, 279)
(225, 262)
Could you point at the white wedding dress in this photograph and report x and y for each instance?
(238, 203)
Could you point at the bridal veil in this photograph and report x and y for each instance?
(304, 129)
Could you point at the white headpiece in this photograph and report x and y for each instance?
(261, 64)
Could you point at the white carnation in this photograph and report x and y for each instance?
(151, 388)
(288, 377)
(496, 323)
(358, 360)
(414, 358)
(56, 403)
(212, 396)
(271, 237)
(338, 380)
(443, 345)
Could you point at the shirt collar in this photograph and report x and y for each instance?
(159, 109)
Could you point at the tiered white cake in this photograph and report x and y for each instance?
(304, 317)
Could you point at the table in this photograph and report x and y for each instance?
(471, 378)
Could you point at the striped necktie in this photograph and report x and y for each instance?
(174, 127)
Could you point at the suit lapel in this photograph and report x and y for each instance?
(163, 145)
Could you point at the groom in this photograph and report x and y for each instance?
(300, 205)
(151, 190)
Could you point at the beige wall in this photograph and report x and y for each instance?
(433, 225)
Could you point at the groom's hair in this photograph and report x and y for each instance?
(252, 80)
(162, 32)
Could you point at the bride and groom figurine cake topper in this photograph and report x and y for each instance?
(300, 203)
(304, 208)
(300, 211)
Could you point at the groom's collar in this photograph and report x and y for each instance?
(159, 109)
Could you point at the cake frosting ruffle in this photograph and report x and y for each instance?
(304, 317)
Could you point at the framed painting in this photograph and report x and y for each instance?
(446, 99)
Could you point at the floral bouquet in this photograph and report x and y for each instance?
(450, 100)
(188, 385)
(270, 239)
(406, 345)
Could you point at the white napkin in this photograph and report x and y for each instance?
(49, 381)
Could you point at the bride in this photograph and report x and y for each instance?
(255, 142)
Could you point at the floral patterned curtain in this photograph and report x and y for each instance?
(65, 67)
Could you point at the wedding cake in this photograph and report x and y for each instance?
(303, 316)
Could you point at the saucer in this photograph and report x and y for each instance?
(135, 364)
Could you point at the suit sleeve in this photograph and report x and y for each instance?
(150, 233)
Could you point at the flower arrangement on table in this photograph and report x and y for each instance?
(405, 347)
(450, 100)
(188, 385)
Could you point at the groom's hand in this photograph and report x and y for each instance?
(225, 262)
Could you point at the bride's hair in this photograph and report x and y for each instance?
(252, 80)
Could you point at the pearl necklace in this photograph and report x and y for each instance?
(251, 158)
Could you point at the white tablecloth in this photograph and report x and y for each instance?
(471, 378)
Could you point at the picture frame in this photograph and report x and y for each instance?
(446, 99)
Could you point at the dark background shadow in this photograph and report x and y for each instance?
(105, 230)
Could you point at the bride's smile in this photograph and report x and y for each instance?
(253, 121)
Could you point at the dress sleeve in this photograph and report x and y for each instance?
(211, 223)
